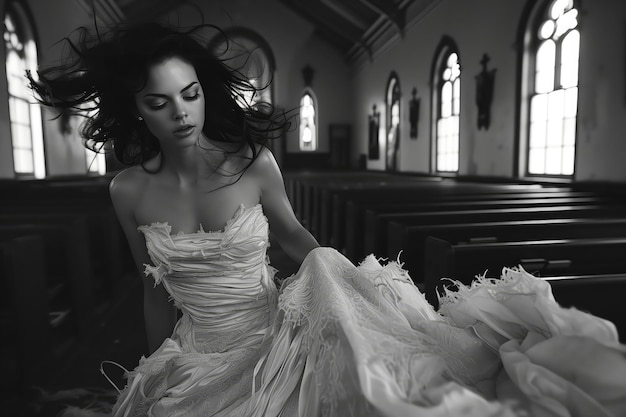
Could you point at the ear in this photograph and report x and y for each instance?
(137, 114)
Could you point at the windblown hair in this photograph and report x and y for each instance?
(103, 72)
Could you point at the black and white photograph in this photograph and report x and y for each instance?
(313, 208)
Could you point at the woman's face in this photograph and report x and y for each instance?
(172, 103)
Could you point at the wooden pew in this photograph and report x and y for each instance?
(336, 217)
(411, 239)
(544, 258)
(25, 319)
(316, 194)
(74, 196)
(599, 294)
(67, 262)
(109, 251)
(301, 186)
(493, 214)
(375, 217)
(294, 186)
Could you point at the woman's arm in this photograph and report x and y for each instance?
(159, 314)
(294, 239)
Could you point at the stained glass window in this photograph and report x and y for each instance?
(554, 94)
(449, 95)
(25, 116)
(393, 122)
(308, 122)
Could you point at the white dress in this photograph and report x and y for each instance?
(346, 340)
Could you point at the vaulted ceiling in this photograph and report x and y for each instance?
(139, 10)
(350, 25)
(358, 28)
(355, 27)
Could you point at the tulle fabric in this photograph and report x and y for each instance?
(555, 361)
(346, 340)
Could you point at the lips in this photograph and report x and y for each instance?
(184, 130)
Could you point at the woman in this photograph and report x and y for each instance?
(338, 339)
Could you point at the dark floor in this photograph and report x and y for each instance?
(117, 336)
(73, 377)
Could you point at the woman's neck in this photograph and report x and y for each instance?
(191, 165)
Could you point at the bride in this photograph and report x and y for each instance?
(196, 205)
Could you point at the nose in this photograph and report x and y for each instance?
(179, 112)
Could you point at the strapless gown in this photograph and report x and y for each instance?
(346, 340)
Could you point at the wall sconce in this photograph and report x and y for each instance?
(374, 123)
(484, 93)
(414, 113)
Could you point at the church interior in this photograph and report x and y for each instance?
(457, 137)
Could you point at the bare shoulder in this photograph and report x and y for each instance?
(265, 163)
(124, 186)
(266, 172)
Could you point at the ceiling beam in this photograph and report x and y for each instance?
(105, 11)
(392, 12)
(333, 21)
(346, 13)
(344, 23)
(144, 11)
(327, 22)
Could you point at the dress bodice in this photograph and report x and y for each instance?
(221, 279)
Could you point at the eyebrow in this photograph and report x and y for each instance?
(165, 95)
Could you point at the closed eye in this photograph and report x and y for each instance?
(157, 106)
(160, 105)
(192, 98)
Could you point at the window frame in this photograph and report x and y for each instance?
(24, 30)
(532, 19)
(393, 95)
(447, 46)
(315, 140)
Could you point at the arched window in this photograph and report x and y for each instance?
(308, 121)
(392, 103)
(447, 108)
(552, 61)
(25, 115)
(251, 55)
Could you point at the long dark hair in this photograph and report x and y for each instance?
(103, 72)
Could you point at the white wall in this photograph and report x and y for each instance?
(601, 145)
(346, 93)
(491, 26)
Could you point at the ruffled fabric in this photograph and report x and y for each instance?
(555, 361)
(358, 334)
(224, 288)
(346, 340)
